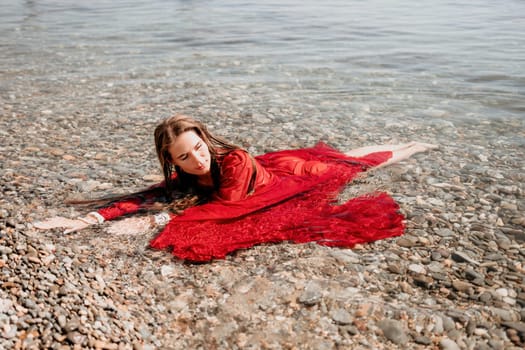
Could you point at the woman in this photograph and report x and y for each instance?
(219, 199)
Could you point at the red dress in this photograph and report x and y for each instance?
(293, 200)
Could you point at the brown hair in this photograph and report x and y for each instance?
(185, 184)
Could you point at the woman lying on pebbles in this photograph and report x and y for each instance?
(217, 198)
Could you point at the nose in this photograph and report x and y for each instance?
(197, 158)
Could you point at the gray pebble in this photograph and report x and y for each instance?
(448, 323)
(445, 232)
(421, 339)
(393, 330)
(311, 295)
(463, 257)
(76, 338)
(341, 317)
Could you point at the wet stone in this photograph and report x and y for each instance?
(472, 274)
(462, 286)
(396, 268)
(393, 330)
(423, 340)
(417, 268)
(485, 297)
(76, 338)
(341, 317)
(504, 315)
(423, 280)
(406, 242)
(29, 303)
(448, 323)
(463, 257)
(5, 250)
(436, 256)
(445, 232)
(311, 295)
(72, 325)
(448, 344)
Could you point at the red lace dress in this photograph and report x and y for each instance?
(294, 199)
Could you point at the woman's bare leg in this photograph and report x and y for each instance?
(405, 153)
(399, 152)
(363, 151)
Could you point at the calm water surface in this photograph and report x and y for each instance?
(428, 58)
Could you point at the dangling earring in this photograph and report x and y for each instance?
(170, 166)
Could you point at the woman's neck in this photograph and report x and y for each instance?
(205, 180)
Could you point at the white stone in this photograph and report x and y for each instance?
(502, 292)
(417, 268)
(5, 305)
(167, 270)
(48, 259)
(482, 332)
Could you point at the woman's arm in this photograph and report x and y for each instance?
(138, 225)
(399, 152)
(130, 205)
(119, 208)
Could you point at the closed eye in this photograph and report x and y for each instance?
(197, 147)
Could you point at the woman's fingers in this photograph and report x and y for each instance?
(76, 226)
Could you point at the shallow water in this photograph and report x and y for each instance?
(427, 59)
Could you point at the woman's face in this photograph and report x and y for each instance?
(191, 154)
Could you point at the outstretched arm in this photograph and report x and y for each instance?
(119, 208)
(138, 225)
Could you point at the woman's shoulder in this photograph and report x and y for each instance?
(234, 156)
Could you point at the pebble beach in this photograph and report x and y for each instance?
(454, 280)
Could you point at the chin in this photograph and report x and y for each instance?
(202, 172)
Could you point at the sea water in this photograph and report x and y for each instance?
(428, 58)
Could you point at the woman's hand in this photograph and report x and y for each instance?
(71, 225)
(131, 226)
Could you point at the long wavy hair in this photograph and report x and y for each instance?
(181, 189)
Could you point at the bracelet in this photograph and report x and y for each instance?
(100, 219)
(161, 219)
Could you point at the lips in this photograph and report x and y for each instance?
(201, 167)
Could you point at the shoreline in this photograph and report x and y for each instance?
(454, 280)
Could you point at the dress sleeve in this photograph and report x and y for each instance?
(133, 204)
(236, 173)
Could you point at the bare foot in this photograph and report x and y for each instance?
(427, 146)
(419, 147)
